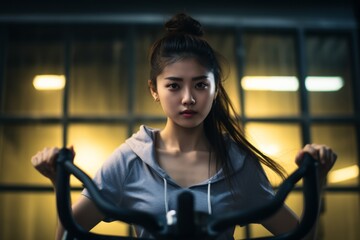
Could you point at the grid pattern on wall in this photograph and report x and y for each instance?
(105, 99)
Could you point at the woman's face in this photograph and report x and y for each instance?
(186, 91)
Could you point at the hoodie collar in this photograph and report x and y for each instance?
(142, 144)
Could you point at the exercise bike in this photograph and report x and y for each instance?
(186, 225)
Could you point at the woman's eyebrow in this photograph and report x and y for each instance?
(201, 77)
(174, 78)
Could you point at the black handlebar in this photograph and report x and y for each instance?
(186, 227)
(64, 168)
(307, 171)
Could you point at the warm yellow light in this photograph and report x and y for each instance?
(89, 157)
(270, 83)
(270, 149)
(291, 83)
(324, 84)
(49, 82)
(343, 174)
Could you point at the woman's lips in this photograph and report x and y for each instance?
(188, 113)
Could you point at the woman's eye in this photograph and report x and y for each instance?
(201, 85)
(172, 86)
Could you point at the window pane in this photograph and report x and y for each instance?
(143, 102)
(279, 141)
(93, 144)
(223, 41)
(99, 76)
(27, 58)
(18, 144)
(342, 139)
(329, 56)
(340, 219)
(270, 55)
(27, 216)
(36, 215)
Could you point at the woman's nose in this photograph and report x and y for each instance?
(188, 98)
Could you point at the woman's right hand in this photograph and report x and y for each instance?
(45, 162)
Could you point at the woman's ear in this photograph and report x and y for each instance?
(153, 90)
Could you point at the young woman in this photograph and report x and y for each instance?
(201, 148)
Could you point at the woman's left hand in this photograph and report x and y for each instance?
(321, 153)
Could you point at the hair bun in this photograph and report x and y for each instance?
(182, 23)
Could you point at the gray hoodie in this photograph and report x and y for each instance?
(132, 178)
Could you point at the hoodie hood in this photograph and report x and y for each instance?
(142, 144)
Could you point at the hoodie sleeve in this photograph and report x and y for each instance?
(111, 176)
(254, 184)
(251, 185)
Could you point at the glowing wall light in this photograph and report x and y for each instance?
(324, 84)
(270, 83)
(49, 82)
(291, 83)
(343, 174)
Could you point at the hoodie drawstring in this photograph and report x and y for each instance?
(208, 197)
(165, 196)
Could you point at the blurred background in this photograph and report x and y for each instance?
(75, 73)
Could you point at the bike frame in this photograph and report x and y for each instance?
(186, 226)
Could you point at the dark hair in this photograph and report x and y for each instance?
(184, 39)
